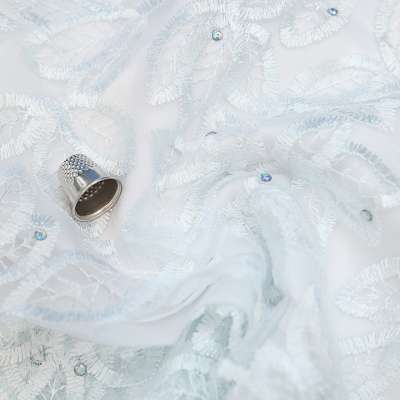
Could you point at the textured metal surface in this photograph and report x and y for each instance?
(90, 192)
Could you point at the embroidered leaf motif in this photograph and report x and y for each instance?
(88, 51)
(388, 34)
(343, 81)
(87, 288)
(23, 122)
(374, 293)
(186, 57)
(24, 253)
(310, 21)
(16, 204)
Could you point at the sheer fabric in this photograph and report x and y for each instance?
(253, 253)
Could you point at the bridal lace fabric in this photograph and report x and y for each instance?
(254, 252)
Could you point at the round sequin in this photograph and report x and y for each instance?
(216, 35)
(80, 369)
(39, 358)
(333, 11)
(40, 235)
(36, 361)
(265, 177)
(367, 215)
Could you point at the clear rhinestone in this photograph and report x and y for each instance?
(333, 11)
(265, 177)
(37, 361)
(39, 358)
(367, 215)
(216, 35)
(40, 235)
(80, 369)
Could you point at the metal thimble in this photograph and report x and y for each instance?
(90, 192)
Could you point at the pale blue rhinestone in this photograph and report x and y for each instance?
(40, 235)
(265, 177)
(217, 35)
(333, 11)
(367, 215)
(80, 369)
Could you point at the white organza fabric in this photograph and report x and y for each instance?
(253, 254)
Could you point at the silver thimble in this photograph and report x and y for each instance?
(90, 192)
